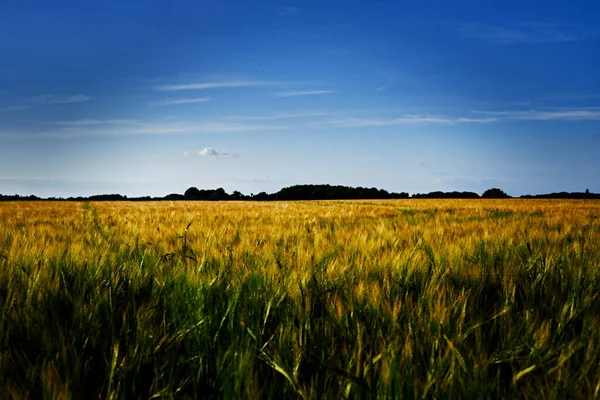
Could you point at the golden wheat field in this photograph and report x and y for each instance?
(323, 299)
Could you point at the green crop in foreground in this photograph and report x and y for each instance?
(391, 299)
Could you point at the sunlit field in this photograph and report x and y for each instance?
(340, 299)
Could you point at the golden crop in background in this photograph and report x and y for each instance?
(379, 232)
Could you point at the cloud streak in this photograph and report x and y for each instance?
(277, 122)
(16, 108)
(115, 127)
(91, 122)
(303, 93)
(280, 116)
(213, 85)
(47, 99)
(172, 102)
(408, 120)
(525, 33)
(55, 99)
(581, 114)
(571, 96)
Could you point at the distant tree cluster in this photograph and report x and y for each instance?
(565, 195)
(493, 193)
(446, 195)
(328, 192)
(210, 194)
(297, 192)
(311, 192)
(107, 197)
(203, 194)
(16, 197)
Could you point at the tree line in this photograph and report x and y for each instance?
(310, 192)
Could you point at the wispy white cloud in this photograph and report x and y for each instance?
(16, 108)
(11, 178)
(171, 102)
(283, 122)
(569, 108)
(88, 122)
(47, 99)
(279, 116)
(116, 127)
(524, 33)
(55, 99)
(303, 93)
(213, 85)
(570, 114)
(570, 96)
(288, 11)
(209, 152)
(408, 120)
(380, 88)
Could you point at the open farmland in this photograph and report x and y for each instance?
(346, 299)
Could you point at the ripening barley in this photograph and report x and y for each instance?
(402, 298)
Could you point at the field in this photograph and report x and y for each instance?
(348, 299)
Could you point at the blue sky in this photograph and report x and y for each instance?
(150, 98)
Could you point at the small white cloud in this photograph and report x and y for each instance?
(209, 152)
(303, 93)
(380, 88)
(171, 102)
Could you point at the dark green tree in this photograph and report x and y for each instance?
(494, 193)
(192, 194)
